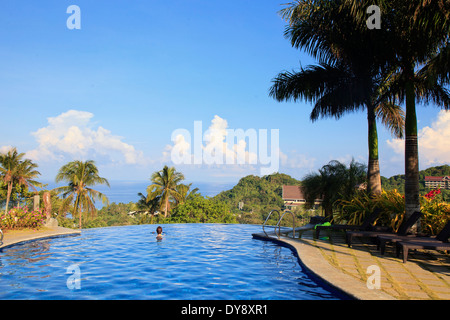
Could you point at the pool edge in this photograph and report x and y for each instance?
(312, 260)
(54, 232)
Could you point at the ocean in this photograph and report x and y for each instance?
(127, 191)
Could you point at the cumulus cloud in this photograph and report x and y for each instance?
(434, 141)
(73, 134)
(239, 149)
(217, 145)
(297, 161)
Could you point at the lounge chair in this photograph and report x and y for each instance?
(366, 225)
(405, 246)
(402, 230)
(442, 236)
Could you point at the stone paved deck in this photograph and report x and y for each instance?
(16, 236)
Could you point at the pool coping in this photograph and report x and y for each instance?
(316, 264)
(32, 235)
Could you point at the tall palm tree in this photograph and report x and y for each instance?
(417, 34)
(164, 185)
(346, 78)
(14, 170)
(81, 175)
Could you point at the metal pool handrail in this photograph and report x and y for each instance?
(1, 237)
(267, 219)
(279, 222)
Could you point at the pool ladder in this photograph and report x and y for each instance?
(279, 222)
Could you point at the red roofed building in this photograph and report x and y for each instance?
(437, 182)
(293, 197)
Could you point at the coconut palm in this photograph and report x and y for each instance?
(81, 175)
(14, 170)
(164, 185)
(417, 34)
(345, 80)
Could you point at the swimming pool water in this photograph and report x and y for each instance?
(192, 262)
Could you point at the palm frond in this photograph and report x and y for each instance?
(393, 118)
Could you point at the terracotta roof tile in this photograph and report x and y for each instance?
(293, 193)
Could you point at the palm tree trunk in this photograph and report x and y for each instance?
(167, 206)
(76, 209)
(8, 196)
(412, 200)
(373, 168)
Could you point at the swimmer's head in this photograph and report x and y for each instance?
(159, 230)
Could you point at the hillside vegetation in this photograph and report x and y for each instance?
(398, 181)
(257, 195)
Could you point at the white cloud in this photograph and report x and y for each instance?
(5, 149)
(72, 134)
(219, 145)
(235, 152)
(238, 149)
(296, 160)
(434, 141)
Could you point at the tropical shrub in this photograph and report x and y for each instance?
(201, 210)
(391, 203)
(354, 210)
(436, 213)
(21, 218)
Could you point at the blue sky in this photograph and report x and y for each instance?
(115, 90)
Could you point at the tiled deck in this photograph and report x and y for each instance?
(17, 236)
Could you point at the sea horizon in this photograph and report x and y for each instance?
(126, 191)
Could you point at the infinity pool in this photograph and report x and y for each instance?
(192, 262)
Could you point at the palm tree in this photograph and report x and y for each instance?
(185, 192)
(346, 78)
(147, 205)
(14, 170)
(80, 176)
(417, 34)
(334, 181)
(164, 185)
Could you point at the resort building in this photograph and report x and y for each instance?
(293, 197)
(437, 182)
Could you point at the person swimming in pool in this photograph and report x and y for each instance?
(159, 235)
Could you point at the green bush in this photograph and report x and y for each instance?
(436, 212)
(201, 210)
(391, 203)
(354, 210)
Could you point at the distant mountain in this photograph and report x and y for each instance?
(398, 181)
(257, 190)
(256, 194)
